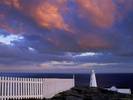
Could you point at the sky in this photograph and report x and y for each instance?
(66, 35)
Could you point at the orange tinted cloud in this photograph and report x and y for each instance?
(127, 6)
(12, 3)
(45, 13)
(7, 28)
(48, 15)
(56, 41)
(13, 30)
(93, 42)
(100, 12)
(2, 16)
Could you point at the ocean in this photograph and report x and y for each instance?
(104, 80)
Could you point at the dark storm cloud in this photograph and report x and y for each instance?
(18, 55)
(52, 28)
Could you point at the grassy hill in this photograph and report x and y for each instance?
(86, 93)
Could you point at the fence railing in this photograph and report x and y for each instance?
(20, 88)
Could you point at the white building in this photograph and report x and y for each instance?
(93, 83)
(120, 90)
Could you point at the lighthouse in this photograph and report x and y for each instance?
(93, 82)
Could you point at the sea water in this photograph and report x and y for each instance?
(104, 80)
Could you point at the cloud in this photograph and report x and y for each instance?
(11, 3)
(57, 30)
(49, 16)
(91, 54)
(57, 64)
(46, 14)
(8, 40)
(104, 13)
(100, 12)
(92, 41)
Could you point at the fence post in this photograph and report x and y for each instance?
(2, 85)
(8, 87)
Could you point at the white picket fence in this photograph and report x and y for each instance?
(25, 88)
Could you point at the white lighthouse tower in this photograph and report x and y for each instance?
(93, 82)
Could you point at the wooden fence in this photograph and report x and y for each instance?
(25, 88)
